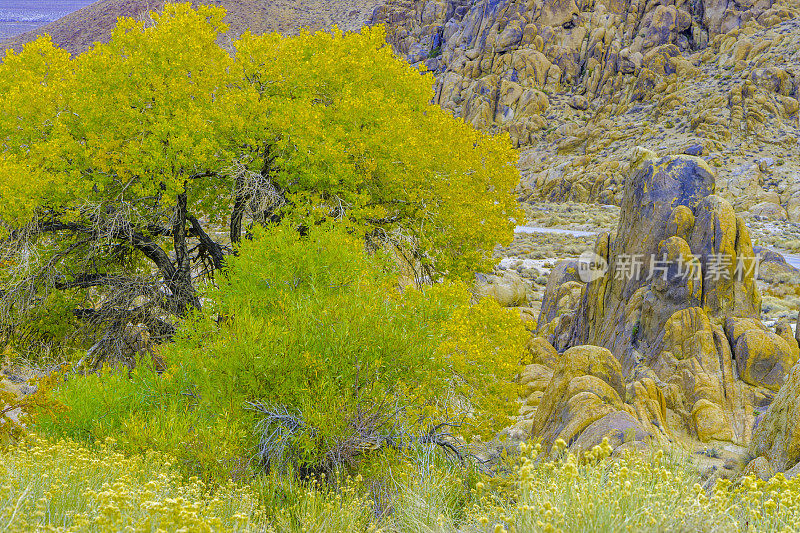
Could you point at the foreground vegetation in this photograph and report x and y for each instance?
(66, 486)
(307, 355)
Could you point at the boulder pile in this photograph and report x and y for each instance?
(577, 84)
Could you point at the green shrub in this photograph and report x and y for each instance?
(307, 353)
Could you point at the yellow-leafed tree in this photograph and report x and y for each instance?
(129, 172)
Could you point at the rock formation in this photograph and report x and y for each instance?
(776, 442)
(577, 84)
(667, 343)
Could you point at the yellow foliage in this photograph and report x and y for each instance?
(336, 122)
(484, 344)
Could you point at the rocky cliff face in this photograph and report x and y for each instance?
(665, 337)
(673, 349)
(560, 43)
(578, 84)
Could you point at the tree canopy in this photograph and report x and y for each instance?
(128, 173)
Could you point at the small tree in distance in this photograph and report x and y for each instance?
(129, 172)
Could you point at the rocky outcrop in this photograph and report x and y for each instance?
(678, 312)
(586, 391)
(561, 298)
(494, 58)
(773, 267)
(508, 289)
(576, 84)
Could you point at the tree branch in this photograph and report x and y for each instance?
(213, 248)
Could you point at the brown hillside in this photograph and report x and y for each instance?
(77, 31)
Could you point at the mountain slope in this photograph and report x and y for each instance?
(77, 31)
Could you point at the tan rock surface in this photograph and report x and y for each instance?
(696, 360)
(577, 85)
(777, 437)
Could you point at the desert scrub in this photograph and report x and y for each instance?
(65, 486)
(307, 355)
(632, 492)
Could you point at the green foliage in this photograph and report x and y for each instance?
(335, 122)
(317, 329)
(119, 167)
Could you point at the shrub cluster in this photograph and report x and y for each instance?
(308, 354)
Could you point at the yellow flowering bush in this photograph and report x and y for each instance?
(632, 492)
(65, 486)
(309, 354)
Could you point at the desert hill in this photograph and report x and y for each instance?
(77, 31)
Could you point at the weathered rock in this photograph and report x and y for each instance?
(772, 266)
(542, 352)
(763, 358)
(694, 149)
(710, 421)
(579, 102)
(533, 381)
(677, 246)
(668, 76)
(556, 44)
(759, 467)
(777, 437)
(561, 298)
(618, 427)
(769, 211)
(586, 386)
(509, 289)
(682, 320)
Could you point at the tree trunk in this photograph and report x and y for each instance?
(181, 283)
